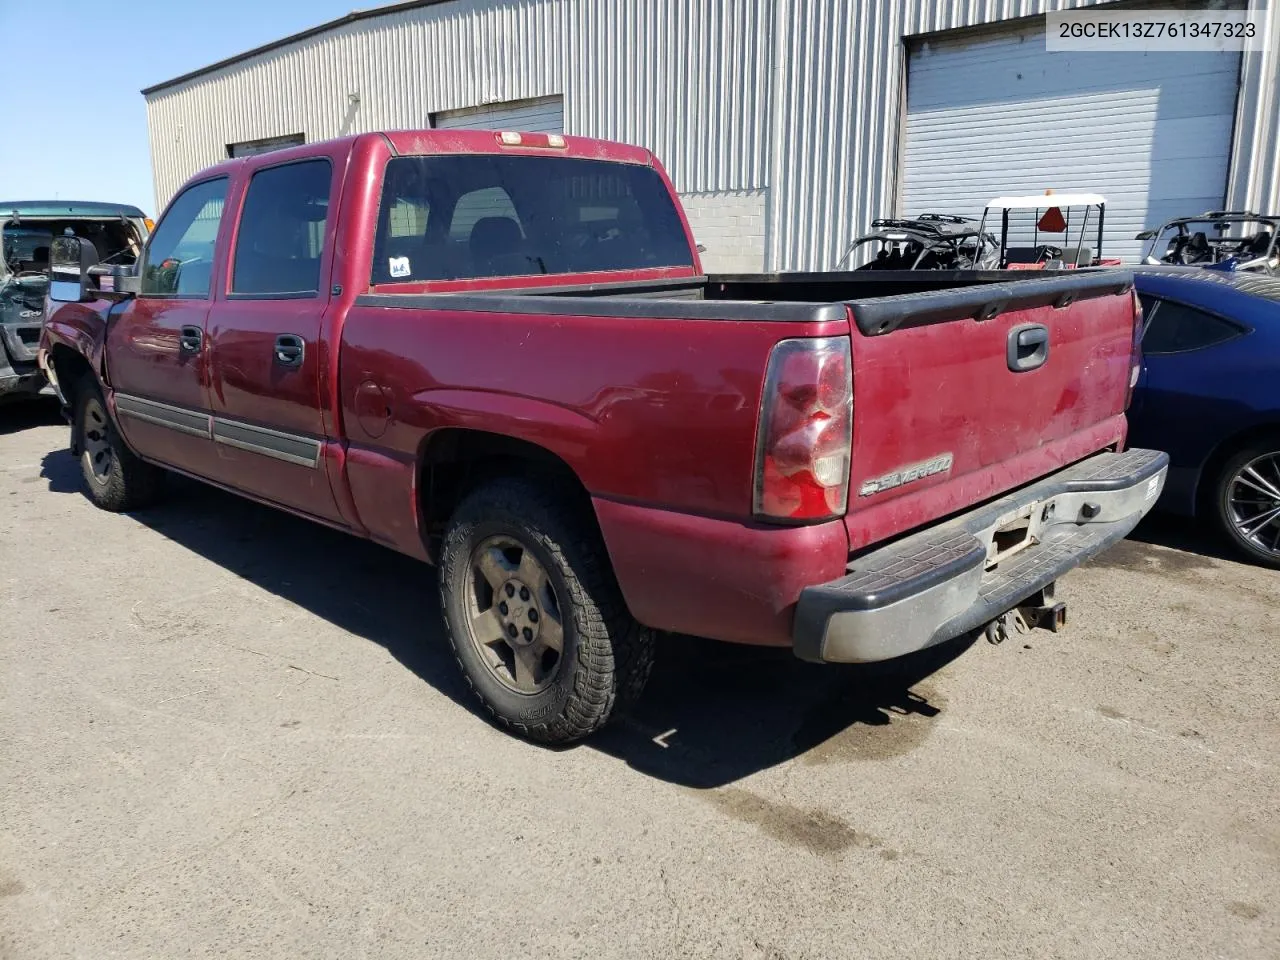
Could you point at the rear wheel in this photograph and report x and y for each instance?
(535, 618)
(112, 477)
(1248, 501)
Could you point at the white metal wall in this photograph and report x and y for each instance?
(799, 99)
(532, 116)
(998, 114)
(402, 67)
(838, 112)
(689, 79)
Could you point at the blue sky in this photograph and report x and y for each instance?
(91, 59)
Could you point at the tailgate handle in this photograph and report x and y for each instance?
(1028, 347)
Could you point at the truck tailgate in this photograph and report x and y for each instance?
(954, 404)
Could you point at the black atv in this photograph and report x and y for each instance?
(931, 241)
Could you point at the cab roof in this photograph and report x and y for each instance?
(67, 208)
(409, 143)
(416, 142)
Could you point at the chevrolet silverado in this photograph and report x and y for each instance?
(498, 352)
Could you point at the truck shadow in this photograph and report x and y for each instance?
(19, 415)
(712, 714)
(1194, 542)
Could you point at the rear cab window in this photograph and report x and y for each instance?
(475, 216)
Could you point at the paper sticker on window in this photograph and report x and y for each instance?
(399, 266)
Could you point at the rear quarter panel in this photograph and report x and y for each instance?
(658, 412)
(1196, 404)
(657, 418)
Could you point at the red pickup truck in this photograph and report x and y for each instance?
(497, 352)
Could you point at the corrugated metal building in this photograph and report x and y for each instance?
(787, 125)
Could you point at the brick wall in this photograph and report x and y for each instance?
(731, 226)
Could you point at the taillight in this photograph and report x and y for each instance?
(805, 431)
(1135, 354)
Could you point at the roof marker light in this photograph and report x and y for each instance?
(510, 138)
(555, 140)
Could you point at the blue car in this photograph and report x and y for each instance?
(1209, 395)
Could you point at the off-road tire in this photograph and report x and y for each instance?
(110, 474)
(606, 656)
(1222, 512)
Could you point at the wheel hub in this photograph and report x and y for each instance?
(518, 612)
(514, 618)
(96, 442)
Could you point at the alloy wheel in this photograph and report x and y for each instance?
(514, 615)
(1253, 502)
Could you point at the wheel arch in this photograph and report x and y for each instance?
(1206, 481)
(70, 366)
(453, 461)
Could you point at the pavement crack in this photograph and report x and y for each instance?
(294, 666)
(679, 926)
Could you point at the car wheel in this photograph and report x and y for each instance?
(112, 476)
(534, 615)
(1248, 501)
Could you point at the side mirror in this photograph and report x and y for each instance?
(119, 280)
(69, 261)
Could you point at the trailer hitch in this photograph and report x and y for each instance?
(1038, 611)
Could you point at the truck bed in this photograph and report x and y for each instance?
(951, 294)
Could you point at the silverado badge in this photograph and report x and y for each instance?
(917, 471)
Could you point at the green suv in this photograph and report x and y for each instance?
(27, 229)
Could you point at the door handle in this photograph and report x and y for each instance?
(289, 350)
(190, 340)
(1028, 347)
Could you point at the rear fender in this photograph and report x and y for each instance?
(397, 460)
(567, 434)
(1195, 493)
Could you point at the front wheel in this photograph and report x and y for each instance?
(1248, 501)
(112, 476)
(535, 618)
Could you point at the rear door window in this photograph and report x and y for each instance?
(494, 216)
(282, 230)
(179, 259)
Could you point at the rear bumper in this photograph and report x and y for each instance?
(935, 585)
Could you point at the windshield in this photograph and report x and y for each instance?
(1212, 240)
(462, 217)
(26, 244)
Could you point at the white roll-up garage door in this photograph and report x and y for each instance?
(998, 114)
(544, 115)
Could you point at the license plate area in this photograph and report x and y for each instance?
(1018, 530)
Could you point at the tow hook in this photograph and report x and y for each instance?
(1038, 611)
